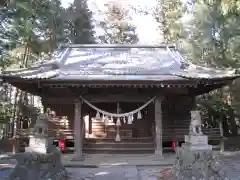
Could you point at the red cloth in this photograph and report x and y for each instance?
(62, 145)
(174, 144)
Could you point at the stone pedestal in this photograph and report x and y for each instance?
(38, 166)
(197, 142)
(78, 157)
(195, 160)
(40, 144)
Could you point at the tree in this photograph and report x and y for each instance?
(213, 40)
(117, 28)
(214, 33)
(168, 15)
(78, 23)
(214, 110)
(29, 31)
(24, 31)
(52, 26)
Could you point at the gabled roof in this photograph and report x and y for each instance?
(118, 62)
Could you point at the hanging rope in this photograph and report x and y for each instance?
(121, 114)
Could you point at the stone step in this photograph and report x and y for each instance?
(100, 120)
(132, 139)
(112, 134)
(120, 144)
(98, 128)
(96, 125)
(98, 135)
(98, 131)
(97, 121)
(119, 150)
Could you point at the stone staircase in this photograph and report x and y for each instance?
(98, 129)
(102, 140)
(125, 146)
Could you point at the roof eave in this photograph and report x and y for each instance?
(116, 46)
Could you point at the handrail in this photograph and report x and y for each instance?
(166, 132)
(63, 132)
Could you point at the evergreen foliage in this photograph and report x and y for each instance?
(117, 26)
(32, 30)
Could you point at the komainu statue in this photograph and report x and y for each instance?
(196, 123)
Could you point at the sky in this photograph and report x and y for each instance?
(146, 26)
(65, 3)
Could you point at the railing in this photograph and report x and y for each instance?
(167, 134)
(178, 133)
(57, 133)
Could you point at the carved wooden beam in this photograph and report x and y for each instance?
(133, 84)
(118, 97)
(59, 100)
(97, 98)
(78, 91)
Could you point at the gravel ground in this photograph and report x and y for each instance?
(231, 166)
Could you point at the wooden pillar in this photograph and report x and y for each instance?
(78, 131)
(90, 124)
(158, 126)
(118, 138)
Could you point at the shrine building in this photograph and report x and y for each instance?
(120, 98)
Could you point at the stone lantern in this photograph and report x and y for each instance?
(41, 160)
(41, 138)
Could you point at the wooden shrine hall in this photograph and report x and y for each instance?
(120, 98)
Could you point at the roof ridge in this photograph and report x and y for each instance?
(117, 46)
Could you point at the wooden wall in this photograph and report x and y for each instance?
(175, 106)
(176, 113)
(176, 110)
(176, 116)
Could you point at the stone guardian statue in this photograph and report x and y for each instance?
(195, 124)
(195, 158)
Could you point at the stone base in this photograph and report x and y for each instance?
(196, 143)
(78, 158)
(117, 139)
(196, 163)
(38, 167)
(39, 150)
(197, 147)
(196, 139)
(158, 156)
(158, 153)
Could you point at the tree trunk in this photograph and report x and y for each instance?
(17, 99)
(14, 119)
(226, 96)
